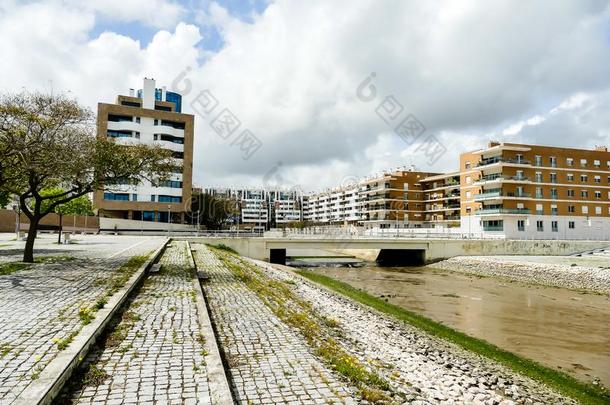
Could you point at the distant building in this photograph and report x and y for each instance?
(263, 209)
(528, 191)
(152, 117)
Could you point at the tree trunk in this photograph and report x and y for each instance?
(28, 252)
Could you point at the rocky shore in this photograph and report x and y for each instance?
(568, 274)
(425, 369)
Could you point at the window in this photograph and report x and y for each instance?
(134, 197)
(152, 198)
(538, 177)
(540, 226)
(570, 162)
(570, 192)
(585, 209)
(148, 216)
(538, 192)
(519, 191)
(169, 199)
(467, 165)
(468, 194)
(554, 226)
(519, 158)
(156, 122)
(138, 120)
(137, 135)
(553, 209)
(596, 163)
(539, 210)
(584, 193)
(598, 194)
(130, 104)
(571, 209)
(118, 134)
(597, 179)
(553, 161)
(584, 178)
(116, 196)
(521, 225)
(519, 175)
(571, 225)
(583, 162)
(171, 184)
(468, 180)
(553, 178)
(570, 176)
(554, 193)
(538, 160)
(598, 210)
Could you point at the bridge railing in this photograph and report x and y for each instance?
(354, 232)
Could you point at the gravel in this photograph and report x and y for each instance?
(568, 274)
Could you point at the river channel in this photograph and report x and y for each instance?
(560, 328)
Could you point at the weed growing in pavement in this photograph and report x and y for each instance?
(62, 344)
(299, 314)
(100, 303)
(95, 376)
(86, 315)
(5, 349)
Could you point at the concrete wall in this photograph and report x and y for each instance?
(132, 225)
(7, 221)
(436, 249)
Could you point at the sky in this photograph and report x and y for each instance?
(321, 93)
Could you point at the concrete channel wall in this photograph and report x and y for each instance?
(435, 249)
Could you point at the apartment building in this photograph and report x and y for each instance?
(339, 206)
(536, 192)
(263, 209)
(394, 199)
(442, 200)
(152, 117)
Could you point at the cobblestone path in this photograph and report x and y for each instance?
(156, 353)
(39, 310)
(269, 362)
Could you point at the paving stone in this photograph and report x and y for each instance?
(39, 306)
(261, 350)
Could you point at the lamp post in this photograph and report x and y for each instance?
(169, 208)
(17, 209)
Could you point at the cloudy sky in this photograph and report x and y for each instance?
(292, 73)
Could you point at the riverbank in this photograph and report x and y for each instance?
(442, 353)
(578, 273)
(381, 356)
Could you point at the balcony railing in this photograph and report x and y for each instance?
(494, 211)
(493, 228)
(491, 161)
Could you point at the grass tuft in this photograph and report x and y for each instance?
(563, 383)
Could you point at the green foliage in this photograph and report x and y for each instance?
(5, 199)
(12, 267)
(222, 246)
(48, 142)
(213, 212)
(77, 206)
(563, 383)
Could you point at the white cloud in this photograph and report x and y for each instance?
(467, 70)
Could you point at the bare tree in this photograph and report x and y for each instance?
(49, 142)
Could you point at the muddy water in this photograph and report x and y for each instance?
(562, 329)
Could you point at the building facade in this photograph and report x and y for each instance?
(261, 209)
(153, 117)
(523, 191)
(442, 200)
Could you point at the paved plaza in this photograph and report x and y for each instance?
(39, 306)
(156, 353)
(268, 361)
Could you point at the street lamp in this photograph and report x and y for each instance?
(17, 209)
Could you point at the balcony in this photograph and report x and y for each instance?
(498, 159)
(503, 211)
(488, 195)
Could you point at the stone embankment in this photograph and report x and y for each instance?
(566, 275)
(373, 356)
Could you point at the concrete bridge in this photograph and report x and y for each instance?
(406, 251)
